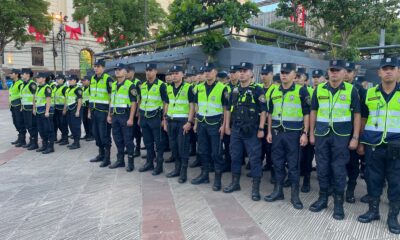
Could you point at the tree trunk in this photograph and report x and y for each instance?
(3, 79)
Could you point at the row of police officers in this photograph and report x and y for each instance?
(285, 122)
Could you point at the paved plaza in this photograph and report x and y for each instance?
(63, 196)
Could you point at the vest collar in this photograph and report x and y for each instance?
(289, 89)
(342, 86)
(379, 87)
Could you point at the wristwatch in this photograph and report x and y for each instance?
(260, 129)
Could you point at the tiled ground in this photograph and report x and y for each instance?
(63, 196)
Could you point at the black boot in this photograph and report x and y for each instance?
(350, 192)
(217, 181)
(322, 201)
(286, 184)
(99, 157)
(372, 213)
(119, 163)
(170, 159)
(202, 178)
(15, 142)
(365, 198)
(64, 141)
(131, 165)
(106, 159)
(21, 142)
(75, 144)
(295, 199)
(147, 166)
(338, 211)
(183, 175)
(27, 145)
(159, 167)
(177, 171)
(277, 194)
(255, 189)
(44, 146)
(272, 179)
(49, 149)
(306, 184)
(34, 145)
(137, 152)
(392, 220)
(235, 184)
(195, 163)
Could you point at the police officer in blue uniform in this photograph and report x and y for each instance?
(335, 115)
(15, 107)
(73, 110)
(247, 112)
(288, 123)
(123, 107)
(353, 167)
(87, 122)
(380, 141)
(61, 122)
(211, 98)
(99, 103)
(153, 103)
(27, 98)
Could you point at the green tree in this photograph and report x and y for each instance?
(186, 15)
(121, 21)
(15, 16)
(343, 16)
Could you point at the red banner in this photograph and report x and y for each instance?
(300, 17)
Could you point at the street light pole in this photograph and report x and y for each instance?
(61, 36)
(54, 44)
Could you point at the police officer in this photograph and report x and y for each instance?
(44, 111)
(87, 123)
(334, 105)
(307, 152)
(288, 122)
(353, 167)
(234, 74)
(28, 92)
(211, 98)
(224, 78)
(190, 79)
(14, 100)
(381, 142)
(180, 119)
(122, 111)
(61, 122)
(153, 102)
(137, 135)
(73, 109)
(99, 100)
(318, 76)
(247, 111)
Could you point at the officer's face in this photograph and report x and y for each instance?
(245, 75)
(13, 75)
(120, 73)
(151, 74)
(210, 75)
(287, 77)
(168, 78)
(25, 76)
(388, 74)
(267, 78)
(176, 77)
(336, 74)
(349, 76)
(41, 80)
(130, 74)
(300, 79)
(234, 76)
(98, 69)
(60, 81)
(85, 82)
(72, 82)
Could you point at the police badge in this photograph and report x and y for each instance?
(291, 98)
(213, 98)
(343, 97)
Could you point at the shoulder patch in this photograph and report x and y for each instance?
(48, 90)
(261, 98)
(33, 86)
(133, 92)
(308, 100)
(79, 91)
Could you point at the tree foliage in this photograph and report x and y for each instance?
(121, 22)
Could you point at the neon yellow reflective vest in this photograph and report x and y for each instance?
(383, 123)
(15, 92)
(151, 98)
(178, 105)
(40, 99)
(86, 96)
(27, 95)
(98, 92)
(71, 97)
(210, 105)
(334, 111)
(287, 112)
(120, 100)
(59, 98)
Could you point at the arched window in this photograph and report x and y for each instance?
(85, 61)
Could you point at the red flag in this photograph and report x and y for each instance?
(73, 32)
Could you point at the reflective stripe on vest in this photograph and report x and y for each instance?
(14, 91)
(120, 97)
(178, 105)
(210, 105)
(334, 111)
(151, 98)
(383, 123)
(287, 112)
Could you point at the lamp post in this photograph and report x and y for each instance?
(61, 37)
(54, 44)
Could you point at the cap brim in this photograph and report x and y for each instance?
(336, 67)
(387, 65)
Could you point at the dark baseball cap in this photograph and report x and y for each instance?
(100, 62)
(318, 73)
(60, 76)
(337, 64)
(222, 74)
(190, 74)
(234, 68)
(208, 67)
(201, 70)
(389, 61)
(288, 67)
(86, 78)
(176, 68)
(41, 75)
(131, 67)
(267, 68)
(351, 66)
(26, 70)
(359, 79)
(73, 77)
(121, 66)
(151, 66)
(16, 71)
(246, 65)
(301, 71)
